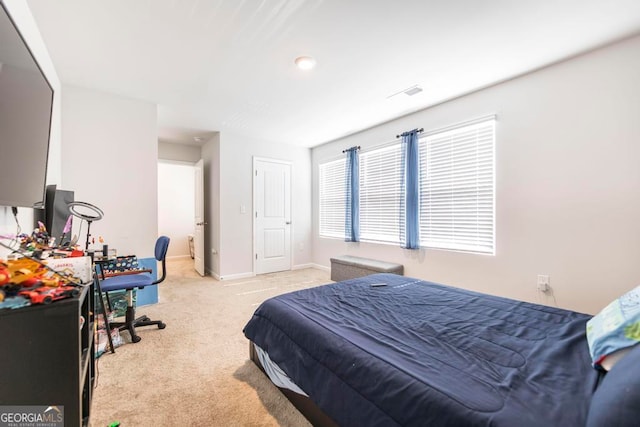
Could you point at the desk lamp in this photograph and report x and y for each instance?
(89, 213)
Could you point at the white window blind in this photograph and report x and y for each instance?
(380, 195)
(457, 191)
(332, 198)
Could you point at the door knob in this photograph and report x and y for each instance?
(201, 223)
(288, 222)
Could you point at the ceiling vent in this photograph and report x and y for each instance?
(410, 91)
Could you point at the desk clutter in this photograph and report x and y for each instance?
(39, 273)
(27, 281)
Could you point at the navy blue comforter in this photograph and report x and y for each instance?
(423, 354)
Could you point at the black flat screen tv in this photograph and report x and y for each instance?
(26, 103)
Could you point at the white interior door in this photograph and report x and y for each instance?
(272, 215)
(198, 237)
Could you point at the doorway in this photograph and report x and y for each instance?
(176, 205)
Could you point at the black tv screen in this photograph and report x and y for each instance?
(26, 102)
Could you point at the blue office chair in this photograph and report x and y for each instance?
(129, 282)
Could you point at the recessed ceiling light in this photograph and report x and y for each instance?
(305, 62)
(197, 138)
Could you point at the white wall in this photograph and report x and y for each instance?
(176, 205)
(211, 171)
(21, 15)
(179, 152)
(567, 183)
(109, 158)
(236, 181)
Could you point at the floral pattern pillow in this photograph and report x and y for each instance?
(615, 328)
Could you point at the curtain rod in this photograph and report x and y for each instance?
(417, 130)
(357, 147)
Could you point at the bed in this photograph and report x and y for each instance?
(388, 350)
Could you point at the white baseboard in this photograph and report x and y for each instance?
(302, 266)
(251, 274)
(310, 265)
(320, 267)
(178, 257)
(235, 276)
(210, 272)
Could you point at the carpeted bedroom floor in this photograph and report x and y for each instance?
(196, 372)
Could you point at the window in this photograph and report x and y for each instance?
(380, 194)
(457, 190)
(332, 198)
(457, 194)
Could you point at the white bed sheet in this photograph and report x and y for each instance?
(275, 374)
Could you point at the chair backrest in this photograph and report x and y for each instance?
(162, 244)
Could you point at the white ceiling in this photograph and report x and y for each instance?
(227, 65)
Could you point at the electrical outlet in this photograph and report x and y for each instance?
(543, 282)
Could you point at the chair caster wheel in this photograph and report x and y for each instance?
(135, 338)
(162, 325)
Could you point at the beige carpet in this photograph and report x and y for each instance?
(196, 372)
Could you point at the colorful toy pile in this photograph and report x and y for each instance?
(41, 245)
(25, 281)
(38, 240)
